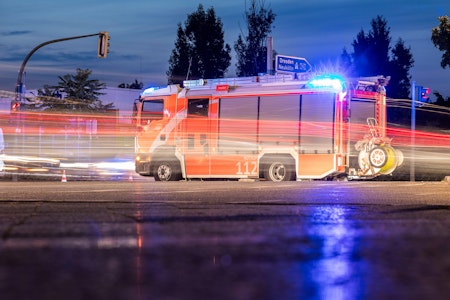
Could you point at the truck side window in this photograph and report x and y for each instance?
(198, 107)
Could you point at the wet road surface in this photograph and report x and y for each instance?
(224, 240)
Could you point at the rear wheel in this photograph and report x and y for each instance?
(278, 171)
(167, 171)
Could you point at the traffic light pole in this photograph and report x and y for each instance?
(19, 84)
(412, 170)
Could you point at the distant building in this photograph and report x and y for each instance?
(5, 102)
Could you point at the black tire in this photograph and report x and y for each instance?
(278, 171)
(167, 171)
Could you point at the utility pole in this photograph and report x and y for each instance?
(103, 49)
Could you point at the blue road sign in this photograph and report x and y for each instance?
(291, 64)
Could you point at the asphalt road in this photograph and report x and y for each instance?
(224, 240)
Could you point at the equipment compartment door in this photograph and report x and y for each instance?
(196, 140)
(237, 138)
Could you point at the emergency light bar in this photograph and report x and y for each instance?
(334, 82)
(158, 91)
(237, 81)
(151, 89)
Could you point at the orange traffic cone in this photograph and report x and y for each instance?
(64, 178)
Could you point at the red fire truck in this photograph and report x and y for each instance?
(273, 127)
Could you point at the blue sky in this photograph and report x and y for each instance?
(143, 33)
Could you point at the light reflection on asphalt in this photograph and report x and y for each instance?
(299, 240)
(71, 243)
(334, 273)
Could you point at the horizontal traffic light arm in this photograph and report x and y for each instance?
(22, 67)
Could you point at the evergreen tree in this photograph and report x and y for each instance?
(200, 50)
(372, 55)
(181, 58)
(400, 65)
(345, 63)
(371, 50)
(251, 47)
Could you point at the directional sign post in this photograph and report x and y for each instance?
(291, 64)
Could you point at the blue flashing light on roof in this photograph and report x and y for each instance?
(160, 91)
(150, 90)
(334, 82)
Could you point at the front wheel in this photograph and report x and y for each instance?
(167, 171)
(278, 171)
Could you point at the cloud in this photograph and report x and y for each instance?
(16, 32)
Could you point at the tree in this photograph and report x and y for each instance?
(440, 36)
(136, 85)
(251, 50)
(372, 55)
(400, 65)
(179, 62)
(81, 94)
(200, 50)
(344, 64)
(436, 113)
(441, 101)
(371, 50)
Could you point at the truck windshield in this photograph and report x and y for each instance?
(152, 110)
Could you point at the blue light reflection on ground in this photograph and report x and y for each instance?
(334, 274)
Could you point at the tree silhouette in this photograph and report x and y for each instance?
(80, 94)
(440, 36)
(400, 65)
(136, 85)
(371, 50)
(179, 62)
(441, 101)
(372, 55)
(251, 50)
(200, 50)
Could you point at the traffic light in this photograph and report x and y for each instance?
(103, 44)
(15, 106)
(424, 93)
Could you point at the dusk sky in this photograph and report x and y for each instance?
(143, 33)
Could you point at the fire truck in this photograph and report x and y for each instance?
(271, 127)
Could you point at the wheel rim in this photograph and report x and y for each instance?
(164, 172)
(277, 171)
(378, 157)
